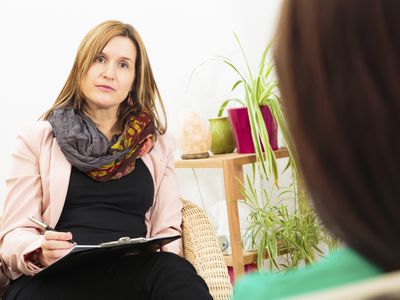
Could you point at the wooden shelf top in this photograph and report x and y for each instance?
(248, 258)
(217, 161)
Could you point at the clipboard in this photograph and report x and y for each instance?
(110, 250)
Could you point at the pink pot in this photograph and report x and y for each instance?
(239, 119)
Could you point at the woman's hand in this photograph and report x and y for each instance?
(54, 246)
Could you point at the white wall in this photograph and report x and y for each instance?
(39, 40)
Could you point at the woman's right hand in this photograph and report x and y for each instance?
(54, 246)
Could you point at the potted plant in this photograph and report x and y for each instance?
(273, 228)
(222, 140)
(287, 237)
(255, 123)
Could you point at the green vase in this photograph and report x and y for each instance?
(221, 136)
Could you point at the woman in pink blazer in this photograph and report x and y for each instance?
(97, 167)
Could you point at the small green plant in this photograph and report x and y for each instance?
(293, 236)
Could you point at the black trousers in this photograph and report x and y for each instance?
(158, 275)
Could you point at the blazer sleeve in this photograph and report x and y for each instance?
(18, 237)
(166, 217)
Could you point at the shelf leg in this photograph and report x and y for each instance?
(232, 191)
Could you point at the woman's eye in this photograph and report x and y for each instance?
(100, 59)
(123, 65)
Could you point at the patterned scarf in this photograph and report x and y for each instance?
(89, 150)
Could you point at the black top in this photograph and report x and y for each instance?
(97, 212)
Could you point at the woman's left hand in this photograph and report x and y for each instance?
(147, 146)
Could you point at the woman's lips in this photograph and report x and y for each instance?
(105, 88)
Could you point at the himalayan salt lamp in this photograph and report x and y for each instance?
(194, 138)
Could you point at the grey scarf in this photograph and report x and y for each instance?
(82, 143)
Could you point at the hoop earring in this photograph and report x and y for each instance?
(130, 100)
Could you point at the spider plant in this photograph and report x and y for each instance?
(292, 236)
(273, 228)
(260, 89)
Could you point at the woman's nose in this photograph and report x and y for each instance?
(109, 71)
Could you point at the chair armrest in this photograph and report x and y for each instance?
(201, 248)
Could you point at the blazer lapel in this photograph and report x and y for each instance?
(60, 172)
(149, 164)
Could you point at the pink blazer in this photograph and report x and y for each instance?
(38, 183)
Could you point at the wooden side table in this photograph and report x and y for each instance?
(232, 166)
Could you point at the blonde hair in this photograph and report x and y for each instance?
(144, 86)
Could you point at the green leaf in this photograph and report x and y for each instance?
(225, 104)
(236, 70)
(244, 56)
(236, 84)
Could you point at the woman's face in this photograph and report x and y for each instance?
(110, 77)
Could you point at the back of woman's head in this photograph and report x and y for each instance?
(339, 68)
(145, 89)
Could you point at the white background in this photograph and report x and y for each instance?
(39, 40)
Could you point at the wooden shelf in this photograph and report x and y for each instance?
(217, 161)
(248, 258)
(232, 166)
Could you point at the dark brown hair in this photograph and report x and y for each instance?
(338, 64)
(146, 94)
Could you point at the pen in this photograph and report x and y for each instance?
(46, 227)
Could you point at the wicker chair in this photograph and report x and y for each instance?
(201, 248)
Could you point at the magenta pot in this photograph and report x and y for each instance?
(239, 119)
